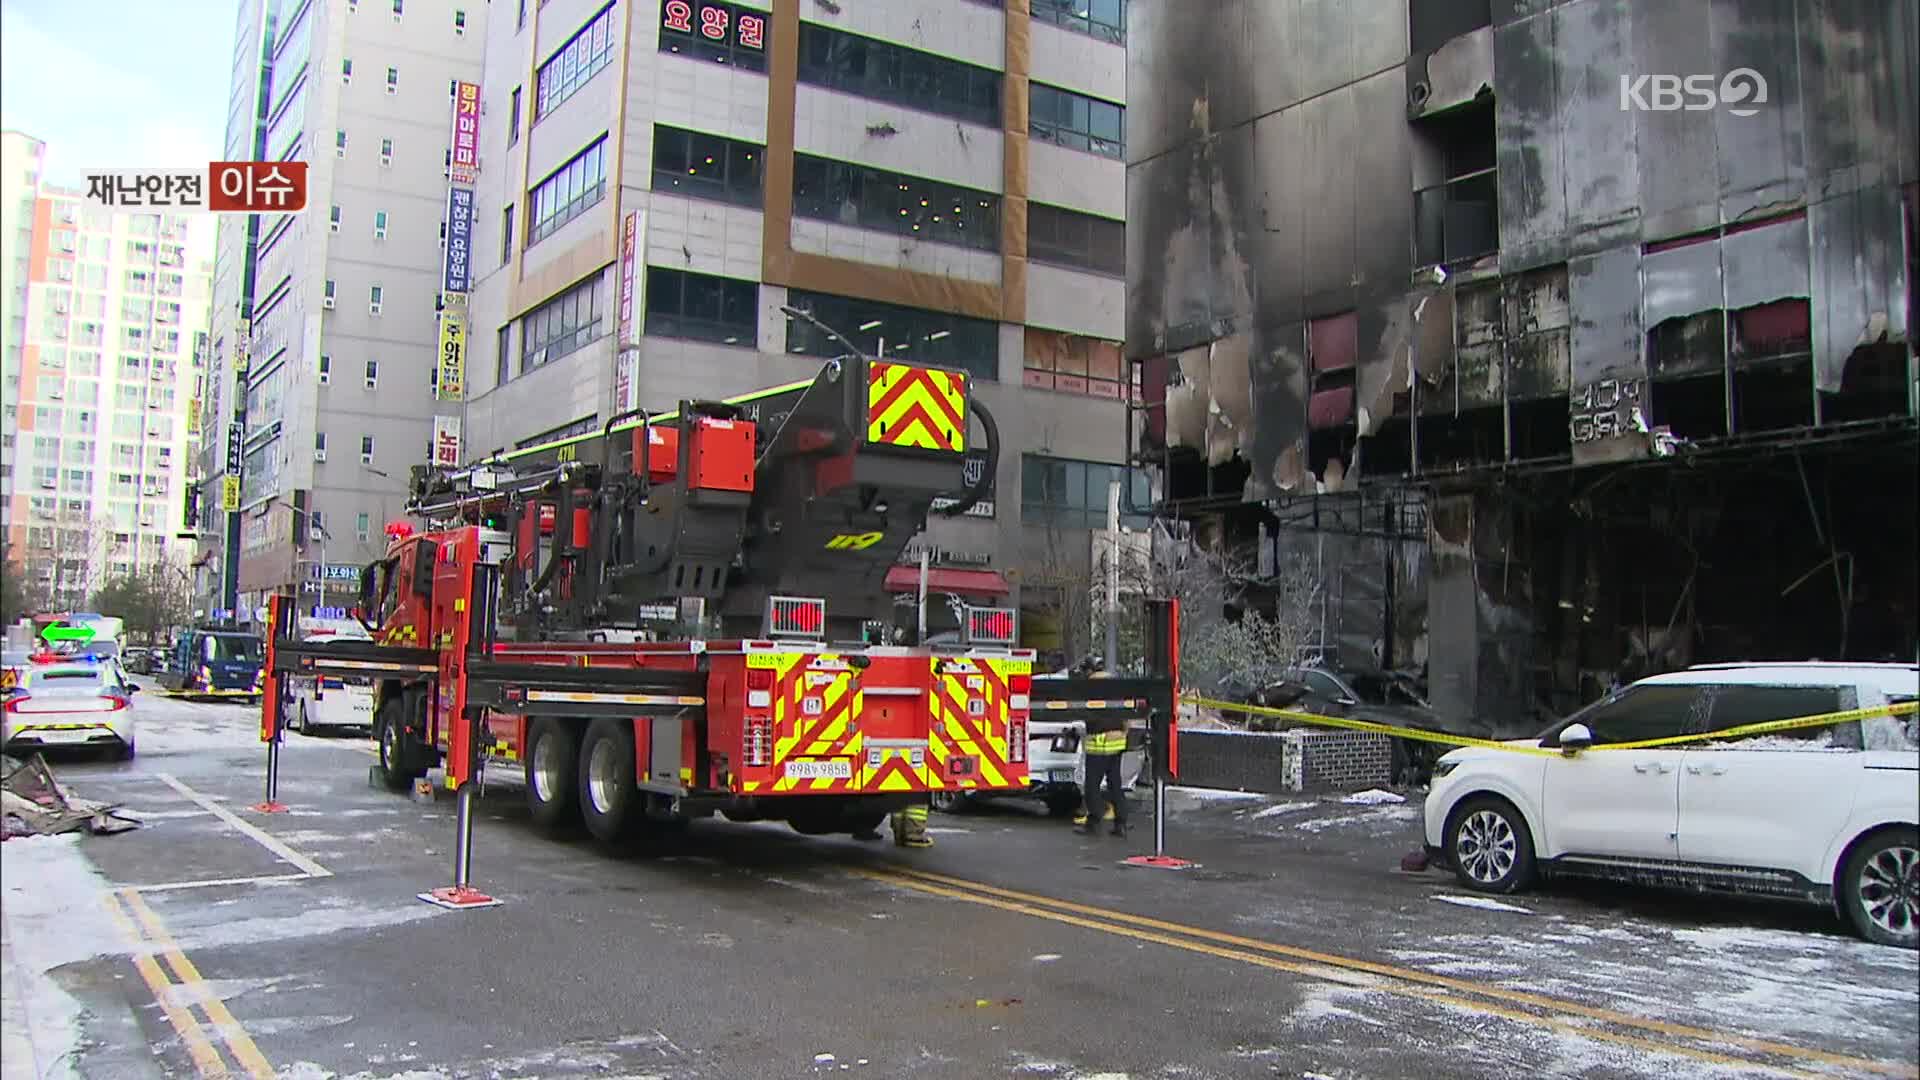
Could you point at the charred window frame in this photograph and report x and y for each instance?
(703, 166)
(881, 71)
(846, 194)
(1458, 219)
(702, 307)
(1076, 121)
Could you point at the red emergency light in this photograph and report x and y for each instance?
(796, 616)
(992, 626)
(399, 530)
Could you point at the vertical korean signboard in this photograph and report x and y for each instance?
(457, 273)
(626, 395)
(453, 355)
(466, 133)
(446, 441)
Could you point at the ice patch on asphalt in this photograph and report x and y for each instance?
(1283, 808)
(1374, 818)
(1323, 1004)
(54, 916)
(1482, 902)
(314, 918)
(1215, 794)
(1373, 797)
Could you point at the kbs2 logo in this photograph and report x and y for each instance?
(855, 541)
(1738, 91)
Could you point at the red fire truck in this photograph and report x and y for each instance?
(685, 614)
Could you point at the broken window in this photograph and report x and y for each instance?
(1457, 219)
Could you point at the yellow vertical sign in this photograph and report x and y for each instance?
(453, 356)
(229, 493)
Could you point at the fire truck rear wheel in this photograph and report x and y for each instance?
(609, 800)
(553, 769)
(399, 761)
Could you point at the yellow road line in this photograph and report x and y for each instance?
(1103, 919)
(205, 1057)
(231, 1033)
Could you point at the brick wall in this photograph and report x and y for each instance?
(1283, 762)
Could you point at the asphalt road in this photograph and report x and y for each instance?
(216, 938)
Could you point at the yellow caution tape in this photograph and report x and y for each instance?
(1766, 727)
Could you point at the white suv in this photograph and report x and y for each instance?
(1827, 815)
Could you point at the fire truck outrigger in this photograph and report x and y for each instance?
(685, 614)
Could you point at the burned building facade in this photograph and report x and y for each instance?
(1581, 332)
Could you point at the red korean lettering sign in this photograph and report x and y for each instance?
(466, 132)
(257, 187)
(715, 22)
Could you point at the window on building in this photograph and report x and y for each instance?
(340, 141)
(564, 323)
(702, 307)
(848, 194)
(1457, 219)
(586, 425)
(502, 349)
(379, 224)
(572, 189)
(396, 8)
(333, 219)
(930, 337)
(362, 526)
(513, 118)
(1071, 238)
(386, 151)
(326, 369)
(366, 449)
(1069, 494)
(896, 74)
(1076, 121)
(376, 296)
(346, 70)
(506, 234)
(1103, 19)
(393, 80)
(574, 64)
(373, 374)
(1074, 364)
(703, 166)
(459, 21)
(723, 33)
(320, 442)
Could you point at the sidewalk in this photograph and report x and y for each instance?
(19, 1059)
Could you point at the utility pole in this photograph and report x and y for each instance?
(1113, 575)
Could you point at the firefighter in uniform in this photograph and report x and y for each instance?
(910, 825)
(1105, 743)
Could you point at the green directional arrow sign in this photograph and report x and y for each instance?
(68, 633)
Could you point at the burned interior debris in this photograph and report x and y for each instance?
(1648, 375)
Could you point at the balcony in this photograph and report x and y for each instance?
(1457, 221)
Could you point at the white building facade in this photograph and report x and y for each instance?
(941, 179)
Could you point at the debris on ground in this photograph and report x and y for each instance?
(1373, 797)
(34, 805)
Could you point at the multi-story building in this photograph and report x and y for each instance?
(114, 320)
(22, 161)
(325, 321)
(941, 180)
(1621, 364)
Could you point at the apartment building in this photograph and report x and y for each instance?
(326, 321)
(112, 318)
(939, 180)
(22, 161)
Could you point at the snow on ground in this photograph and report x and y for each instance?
(1802, 986)
(1283, 808)
(1485, 903)
(1373, 797)
(1376, 819)
(55, 915)
(1214, 794)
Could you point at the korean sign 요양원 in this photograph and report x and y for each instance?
(453, 357)
(466, 133)
(458, 277)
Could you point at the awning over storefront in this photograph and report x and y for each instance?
(947, 579)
